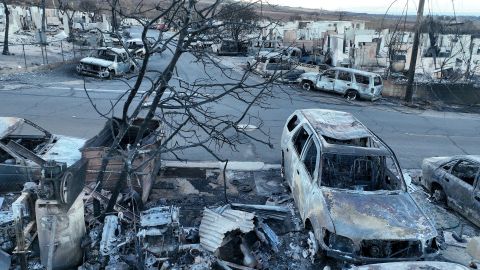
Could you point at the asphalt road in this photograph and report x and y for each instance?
(57, 101)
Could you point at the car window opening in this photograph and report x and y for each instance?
(106, 56)
(6, 158)
(293, 123)
(465, 171)
(300, 139)
(360, 172)
(310, 159)
(361, 142)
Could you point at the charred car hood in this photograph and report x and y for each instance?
(374, 215)
(65, 149)
(96, 61)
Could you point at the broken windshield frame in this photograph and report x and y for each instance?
(361, 172)
(109, 56)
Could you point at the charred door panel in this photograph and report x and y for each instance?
(327, 80)
(343, 82)
(308, 171)
(460, 183)
(476, 200)
(299, 141)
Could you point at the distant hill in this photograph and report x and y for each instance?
(471, 24)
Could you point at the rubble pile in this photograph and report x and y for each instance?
(230, 236)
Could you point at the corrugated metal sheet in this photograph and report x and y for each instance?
(216, 223)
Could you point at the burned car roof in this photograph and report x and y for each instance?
(336, 124)
(9, 124)
(341, 132)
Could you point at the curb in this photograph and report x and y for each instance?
(232, 165)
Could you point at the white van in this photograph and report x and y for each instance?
(352, 83)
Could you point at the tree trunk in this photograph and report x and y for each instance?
(114, 16)
(71, 36)
(7, 25)
(44, 23)
(44, 18)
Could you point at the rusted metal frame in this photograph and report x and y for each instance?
(20, 248)
(126, 212)
(118, 187)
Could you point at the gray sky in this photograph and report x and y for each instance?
(462, 7)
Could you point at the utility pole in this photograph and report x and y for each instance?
(413, 60)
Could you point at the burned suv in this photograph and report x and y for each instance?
(349, 190)
(107, 63)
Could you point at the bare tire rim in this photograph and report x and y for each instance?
(351, 95)
(438, 195)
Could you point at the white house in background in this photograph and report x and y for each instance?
(456, 52)
(309, 30)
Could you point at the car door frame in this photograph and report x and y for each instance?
(306, 187)
(296, 180)
(341, 86)
(289, 147)
(328, 84)
(475, 209)
(453, 184)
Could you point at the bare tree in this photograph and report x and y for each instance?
(187, 108)
(89, 6)
(7, 25)
(68, 9)
(238, 18)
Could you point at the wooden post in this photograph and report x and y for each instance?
(413, 60)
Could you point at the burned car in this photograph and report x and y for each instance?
(455, 182)
(25, 146)
(350, 192)
(107, 63)
(136, 47)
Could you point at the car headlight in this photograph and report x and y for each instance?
(341, 243)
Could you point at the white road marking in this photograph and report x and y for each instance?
(438, 135)
(90, 90)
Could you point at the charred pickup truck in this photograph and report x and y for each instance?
(25, 146)
(106, 63)
(350, 192)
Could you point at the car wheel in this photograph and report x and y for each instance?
(439, 195)
(306, 85)
(314, 252)
(132, 69)
(351, 95)
(111, 74)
